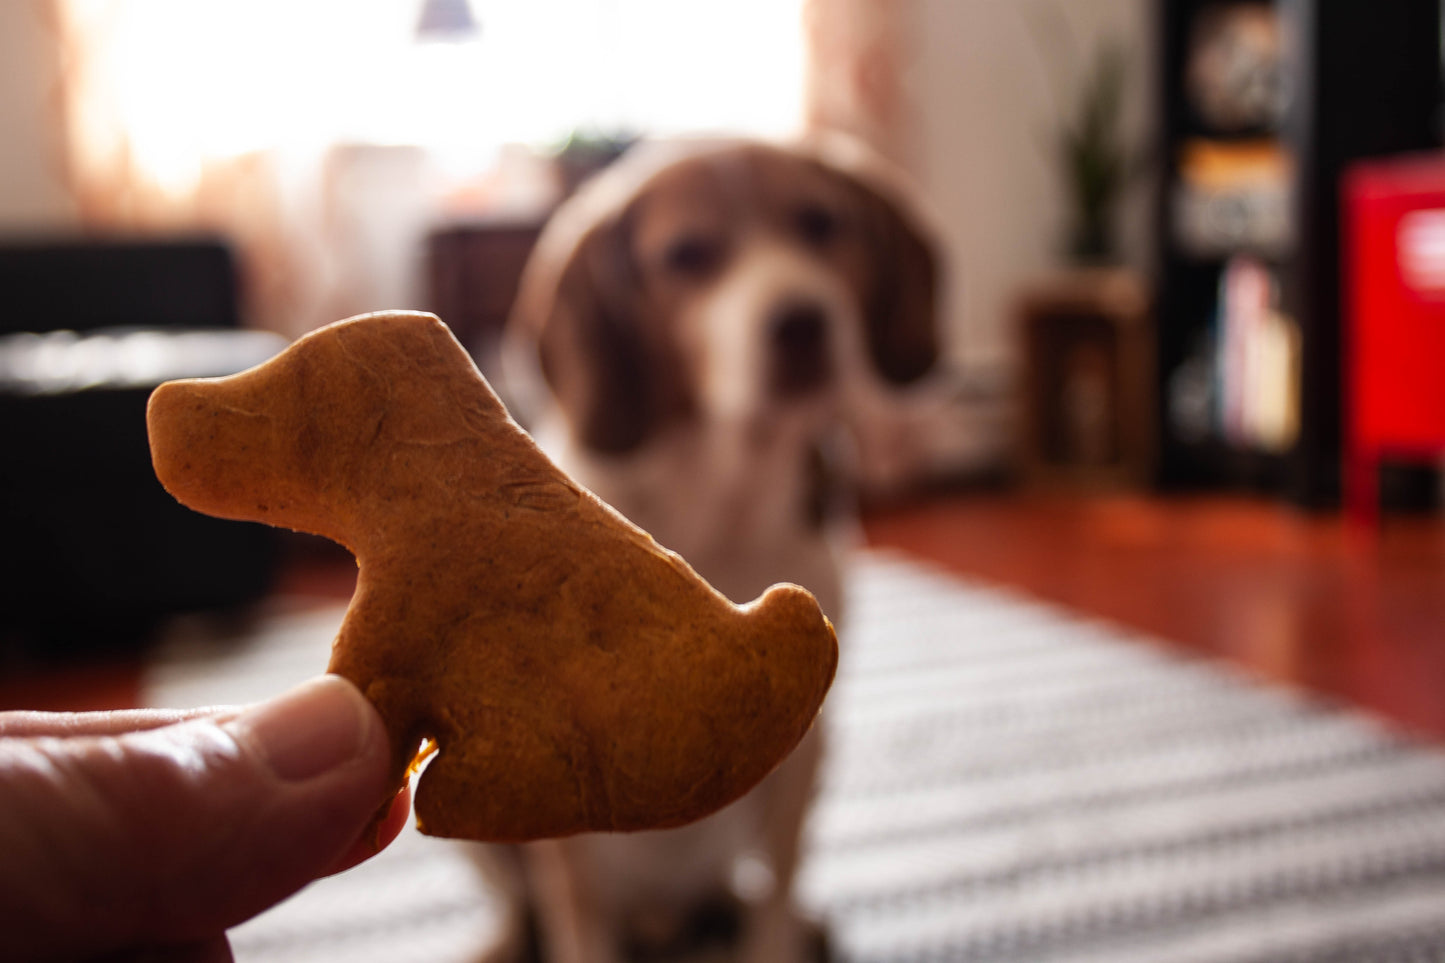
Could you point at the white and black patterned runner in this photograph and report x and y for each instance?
(1009, 782)
(1005, 782)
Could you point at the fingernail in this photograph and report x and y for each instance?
(317, 726)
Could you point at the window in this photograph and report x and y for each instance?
(176, 83)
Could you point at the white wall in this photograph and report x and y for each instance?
(986, 84)
(32, 192)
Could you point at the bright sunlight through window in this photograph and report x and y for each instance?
(193, 81)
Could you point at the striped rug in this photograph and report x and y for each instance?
(1005, 782)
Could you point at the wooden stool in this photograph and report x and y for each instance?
(1087, 390)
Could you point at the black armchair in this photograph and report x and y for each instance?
(93, 552)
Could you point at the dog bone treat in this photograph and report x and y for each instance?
(570, 673)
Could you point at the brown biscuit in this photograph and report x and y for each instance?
(572, 674)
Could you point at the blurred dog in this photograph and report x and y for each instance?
(722, 328)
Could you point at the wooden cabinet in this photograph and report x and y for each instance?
(1087, 401)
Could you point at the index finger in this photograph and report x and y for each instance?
(23, 723)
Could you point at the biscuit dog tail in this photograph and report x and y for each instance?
(789, 612)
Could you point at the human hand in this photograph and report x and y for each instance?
(145, 834)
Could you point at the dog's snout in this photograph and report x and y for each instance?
(799, 328)
(801, 362)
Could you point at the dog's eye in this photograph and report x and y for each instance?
(693, 256)
(817, 225)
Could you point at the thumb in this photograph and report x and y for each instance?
(172, 834)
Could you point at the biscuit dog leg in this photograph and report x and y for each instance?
(573, 675)
(482, 768)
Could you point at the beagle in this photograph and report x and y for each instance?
(721, 328)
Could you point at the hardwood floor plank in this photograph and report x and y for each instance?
(1297, 598)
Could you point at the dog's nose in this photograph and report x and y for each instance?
(798, 333)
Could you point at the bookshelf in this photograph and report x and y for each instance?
(1264, 105)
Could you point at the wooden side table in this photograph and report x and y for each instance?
(1088, 399)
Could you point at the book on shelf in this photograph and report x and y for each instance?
(1257, 359)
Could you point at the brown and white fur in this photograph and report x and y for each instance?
(721, 327)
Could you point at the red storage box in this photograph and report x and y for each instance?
(1395, 320)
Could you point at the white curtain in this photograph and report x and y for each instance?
(324, 137)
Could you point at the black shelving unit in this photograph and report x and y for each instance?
(1264, 105)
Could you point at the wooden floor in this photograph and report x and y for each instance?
(1297, 598)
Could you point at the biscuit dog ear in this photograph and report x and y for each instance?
(580, 302)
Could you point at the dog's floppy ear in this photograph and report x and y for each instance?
(900, 299)
(579, 302)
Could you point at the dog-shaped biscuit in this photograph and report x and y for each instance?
(571, 674)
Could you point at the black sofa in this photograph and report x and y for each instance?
(94, 554)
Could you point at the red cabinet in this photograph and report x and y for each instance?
(1394, 260)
